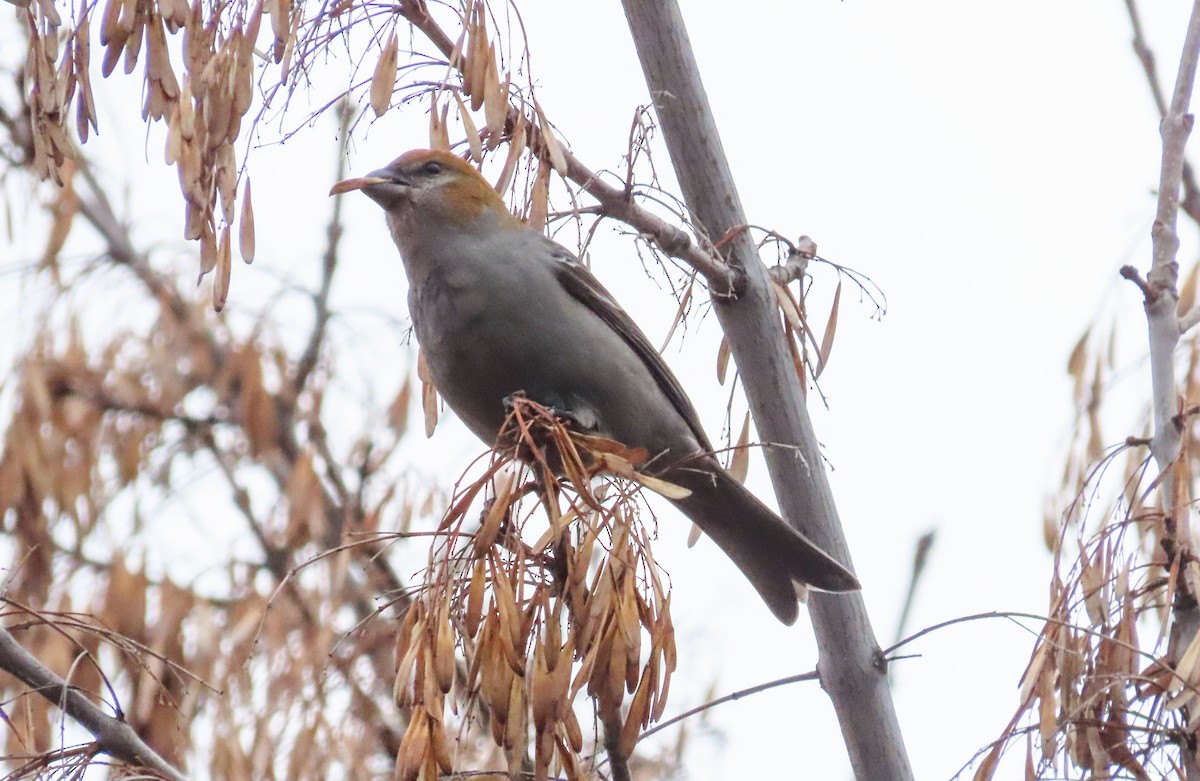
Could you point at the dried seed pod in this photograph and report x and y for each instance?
(224, 269)
(413, 748)
(495, 100)
(474, 144)
(246, 226)
(639, 712)
(443, 655)
(553, 148)
(133, 45)
(475, 72)
(539, 199)
(208, 252)
(439, 132)
(516, 146)
(110, 21)
(384, 79)
(474, 610)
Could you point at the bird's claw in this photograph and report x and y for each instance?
(583, 420)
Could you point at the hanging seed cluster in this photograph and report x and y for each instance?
(518, 617)
(57, 72)
(1112, 689)
(203, 98)
(484, 85)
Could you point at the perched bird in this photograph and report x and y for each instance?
(498, 309)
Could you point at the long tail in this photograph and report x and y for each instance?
(769, 552)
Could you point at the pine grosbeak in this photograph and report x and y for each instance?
(498, 309)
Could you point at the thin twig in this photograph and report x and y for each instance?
(615, 201)
(731, 697)
(308, 359)
(920, 557)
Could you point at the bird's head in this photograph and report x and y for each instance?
(426, 189)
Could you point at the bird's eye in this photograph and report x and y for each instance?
(433, 168)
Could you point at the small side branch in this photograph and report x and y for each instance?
(615, 202)
(1191, 193)
(113, 735)
(731, 697)
(1160, 286)
(312, 350)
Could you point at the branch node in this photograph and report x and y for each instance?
(1135, 276)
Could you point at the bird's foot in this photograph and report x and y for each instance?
(583, 420)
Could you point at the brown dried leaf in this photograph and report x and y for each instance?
(495, 99)
(639, 712)
(1047, 713)
(475, 592)
(1076, 363)
(539, 199)
(542, 695)
(133, 46)
(246, 226)
(413, 748)
(1092, 580)
(475, 70)
(551, 144)
(109, 23)
(174, 146)
(739, 466)
(987, 768)
(515, 734)
(125, 600)
(208, 252)
(443, 655)
(830, 330)
(224, 270)
(723, 354)
(397, 414)
(516, 146)
(659, 486)
(305, 516)
(384, 79)
(428, 394)
(1187, 672)
(113, 49)
(439, 134)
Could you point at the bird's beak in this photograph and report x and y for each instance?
(386, 187)
(350, 185)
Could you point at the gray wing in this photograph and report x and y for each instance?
(582, 285)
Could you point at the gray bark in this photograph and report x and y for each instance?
(851, 665)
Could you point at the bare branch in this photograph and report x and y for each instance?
(1160, 288)
(731, 697)
(851, 666)
(1189, 319)
(308, 359)
(114, 736)
(1191, 193)
(615, 202)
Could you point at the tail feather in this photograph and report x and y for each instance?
(769, 552)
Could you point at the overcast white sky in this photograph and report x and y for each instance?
(990, 166)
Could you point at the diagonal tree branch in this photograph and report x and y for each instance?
(113, 735)
(1161, 300)
(852, 667)
(615, 202)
